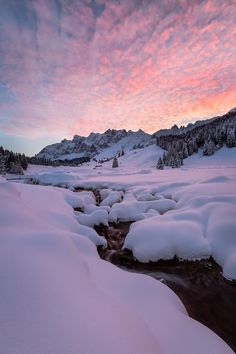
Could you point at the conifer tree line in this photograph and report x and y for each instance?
(16, 163)
(11, 162)
(47, 162)
(208, 137)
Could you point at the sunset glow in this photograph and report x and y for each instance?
(72, 67)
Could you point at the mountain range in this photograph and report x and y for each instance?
(103, 146)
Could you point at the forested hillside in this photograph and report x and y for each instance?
(209, 137)
(11, 162)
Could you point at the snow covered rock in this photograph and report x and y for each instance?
(133, 210)
(154, 239)
(112, 198)
(97, 217)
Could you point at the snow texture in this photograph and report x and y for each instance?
(58, 297)
(187, 212)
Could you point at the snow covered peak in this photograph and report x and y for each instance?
(107, 144)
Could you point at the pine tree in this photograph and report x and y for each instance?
(115, 162)
(2, 165)
(209, 148)
(230, 140)
(164, 159)
(178, 161)
(172, 161)
(9, 161)
(160, 164)
(15, 168)
(220, 136)
(185, 150)
(23, 162)
(175, 161)
(192, 147)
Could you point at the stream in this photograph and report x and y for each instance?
(208, 297)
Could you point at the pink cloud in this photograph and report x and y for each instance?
(131, 67)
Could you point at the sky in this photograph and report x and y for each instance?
(74, 66)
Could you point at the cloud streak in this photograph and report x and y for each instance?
(74, 66)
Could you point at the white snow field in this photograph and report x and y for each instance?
(58, 297)
(188, 212)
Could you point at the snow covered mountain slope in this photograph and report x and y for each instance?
(221, 159)
(132, 141)
(183, 140)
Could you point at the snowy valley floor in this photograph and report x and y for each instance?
(59, 297)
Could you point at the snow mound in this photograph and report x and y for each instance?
(154, 239)
(58, 178)
(112, 198)
(133, 210)
(97, 217)
(201, 224)
(50, 208)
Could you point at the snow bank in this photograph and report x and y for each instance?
(97, 217)
(50, 208)
(136, 210)
(57, 295)
(154, 239)
(202, 224)
(221, 232)
(112, 197)
(60, 178)
(79, 200)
